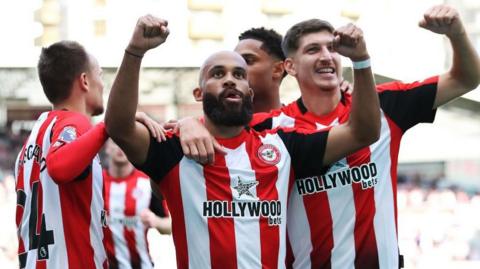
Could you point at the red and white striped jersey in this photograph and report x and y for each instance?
(126, 235)
(347, 217)
(60, 222)
(233, 214)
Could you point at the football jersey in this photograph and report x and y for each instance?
(232, 214)
(347, 217)
(60, 223)
(126, 235)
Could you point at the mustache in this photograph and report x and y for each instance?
(231, 91)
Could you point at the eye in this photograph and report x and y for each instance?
(330, 47)
(239, 74)
(249, 60)
(312, 50)
(218, 74)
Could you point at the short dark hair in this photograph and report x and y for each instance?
(58, 66)
(272, 41)
(291, 39)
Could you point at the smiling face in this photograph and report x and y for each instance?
(315, 64)
(224, 90)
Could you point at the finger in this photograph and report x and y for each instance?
(423, 23)
(185, 149)
(442, 16)
(434, 18)
(169, 125)
(158, 132)
(193, 152)
(163, 135)
(219, 148)
(202, 152)
(210, 151)
(451, 16)
(150, 128)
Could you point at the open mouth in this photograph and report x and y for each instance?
(325, 70)
(232, 95)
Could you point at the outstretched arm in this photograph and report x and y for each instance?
(363, 126)
(464, 74)
(131, 136)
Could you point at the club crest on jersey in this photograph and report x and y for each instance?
(269, 154)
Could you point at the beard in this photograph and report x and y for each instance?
(221, 114)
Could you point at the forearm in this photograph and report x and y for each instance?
(163, 225)
(123, 100)
(465, 63)
(70, 160)
(365, 114)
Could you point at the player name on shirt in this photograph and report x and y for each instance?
(339, 175)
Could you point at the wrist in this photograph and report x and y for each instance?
(132, 51)
(360, 58)
(362, 64)
(457, 36)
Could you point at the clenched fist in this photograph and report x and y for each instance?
(442, 19)
(149, 33)
(349, 42)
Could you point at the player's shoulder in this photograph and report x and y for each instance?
(405, 86)
(77, 121)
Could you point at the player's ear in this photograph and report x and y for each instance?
(198, 94)
(251, 92)
(278, 70)
(82, 80)
(290, 67)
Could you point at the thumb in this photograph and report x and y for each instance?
(423, 23)
(336, 41)
(218, 148)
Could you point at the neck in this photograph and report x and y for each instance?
(120, 171)
(266, 103)
(74, 104)
(221, 131)
(321, 102)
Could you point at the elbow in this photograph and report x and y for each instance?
(115, 130)
(55, 172)
(166, 231)
(370, 134)
(472, 83)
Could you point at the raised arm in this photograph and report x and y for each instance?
(464, 74)
(131, 136)
(363, 126)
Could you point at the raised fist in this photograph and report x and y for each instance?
(348, 41)
(442, 19)
(149, 33)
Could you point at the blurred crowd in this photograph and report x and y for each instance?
(439, 226)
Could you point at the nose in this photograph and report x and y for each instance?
(229, 81)
(325, 55)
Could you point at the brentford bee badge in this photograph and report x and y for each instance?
(269, 154)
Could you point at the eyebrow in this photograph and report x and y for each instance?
(319, 44)
(240, 69)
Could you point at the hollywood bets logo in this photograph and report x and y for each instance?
(339, 175)
(245, 205)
